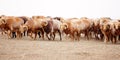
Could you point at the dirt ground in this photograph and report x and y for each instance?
(28, 49)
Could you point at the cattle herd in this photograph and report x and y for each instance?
(103, 28)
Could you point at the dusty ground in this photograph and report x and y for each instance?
(27, 49)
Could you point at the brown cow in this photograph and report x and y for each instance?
(51, 28)
(11, 24)
(75, 27)
(35, 25)
(106, 26)
(25, 19)
(115, 31)
(96, 29)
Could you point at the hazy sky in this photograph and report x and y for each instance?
(63, 8)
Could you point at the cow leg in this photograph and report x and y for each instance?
(72, 36)
(51, 36)
(54, 36)
(24, 33)
(101, 36)
(96, 36)
(28, 32)
(90, 34)
(47, 36)
(67, 36)
(87, 34)
(9, 34)
(17, 34)
(31, 34)
(2, 32)
(106, 39)
(114, 39)
(13, 35)
(60, 35)
(39, 35)
(119, 37)
(78, 36)
(21, 35)
(42, 34)
(97, 33)
(35, 35)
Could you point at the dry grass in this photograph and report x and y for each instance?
(27, 49)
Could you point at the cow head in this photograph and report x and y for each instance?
(44, 23)
(105, 27)
(117, 25)
(63, 26)
(23, 28)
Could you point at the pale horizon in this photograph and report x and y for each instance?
(61, 8)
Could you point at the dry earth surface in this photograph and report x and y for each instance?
(28, 49)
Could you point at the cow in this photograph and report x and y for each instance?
(106, 26)
(25, 19)
(33, 26)
(11, 24)
(96, 29)
(51, 28)
(74, 27)
(88, 26)
(115, 30)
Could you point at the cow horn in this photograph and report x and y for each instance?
(3, 21)
(66, 26)
(45, 23)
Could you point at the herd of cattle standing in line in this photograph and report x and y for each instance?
(103, 28)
